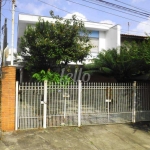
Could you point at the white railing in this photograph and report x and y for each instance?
(39, 105)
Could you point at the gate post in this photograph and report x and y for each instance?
(8, 98)
(79, 102)
(134, 103)
(45, 104)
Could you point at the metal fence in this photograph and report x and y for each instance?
(142, 106)
(50, 104)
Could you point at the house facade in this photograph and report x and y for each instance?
(102, 36)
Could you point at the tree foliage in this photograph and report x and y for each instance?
(126, 63)
(54, 44)
(51, 77)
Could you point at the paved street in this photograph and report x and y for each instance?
(102, 137)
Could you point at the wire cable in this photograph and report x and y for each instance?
(114, 9)
(4, 3)
(80, 16)
(8, 18)
(124, 8)
(132, 6)
(54, 6)
(107, 12)
(84, 18)
(125, 31)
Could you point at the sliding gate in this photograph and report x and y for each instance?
(104, 103)
(41, 105)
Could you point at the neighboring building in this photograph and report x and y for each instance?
(103, 36)
(130, 38)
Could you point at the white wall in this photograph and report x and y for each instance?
(113, 37)
(102, 40)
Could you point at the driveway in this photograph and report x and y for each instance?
(102, 137)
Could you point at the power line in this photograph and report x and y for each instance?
(124, 8)
(59, 9)
(113, 9)
(80, 16)
(46, 4)
(71, 13)
(106, 12)
(7, 17)
(132, 6)
(4, 3)
(54, 6)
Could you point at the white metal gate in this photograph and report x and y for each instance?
(62, 104)
(39, 105)
(29, 110)
(104, 103)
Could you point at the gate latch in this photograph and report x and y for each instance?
(108, 100)
(42, 102)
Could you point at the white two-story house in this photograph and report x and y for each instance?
(103, 36)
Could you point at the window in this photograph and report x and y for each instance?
(94, 38)
(94, 34)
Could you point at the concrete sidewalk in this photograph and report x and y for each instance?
(102, 137)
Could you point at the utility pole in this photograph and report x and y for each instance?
(12, 36)
(1, 66)
(0, 28)
(4, 28)
(128, 27)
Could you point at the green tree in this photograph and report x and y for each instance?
(54, 44)
(51, 77)
(129, 61)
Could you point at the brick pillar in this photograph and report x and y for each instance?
(8, 98)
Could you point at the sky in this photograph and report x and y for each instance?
(86, 10)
